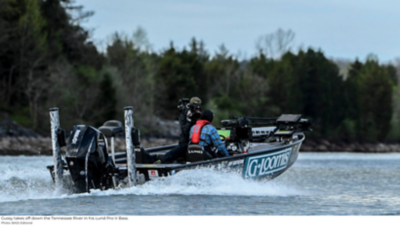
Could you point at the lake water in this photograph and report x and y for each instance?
(317, 184)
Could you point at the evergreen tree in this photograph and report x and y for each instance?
(375, 100)
(180, 72)
(309, 84)
(106, 102)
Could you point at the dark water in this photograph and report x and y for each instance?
(318, 184)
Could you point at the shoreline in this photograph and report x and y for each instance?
(14, 146)
(31, 146)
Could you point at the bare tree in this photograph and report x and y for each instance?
(224, 58)
(141, 40)
(275, 44)
(77, 96)
(133, 71)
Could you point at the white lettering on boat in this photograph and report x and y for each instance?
(75, 139)
(235, 163)
(195, 152)
(262, 165)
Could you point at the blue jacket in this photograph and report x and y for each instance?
(209, 136)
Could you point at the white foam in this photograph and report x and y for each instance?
(204, 182)
(24, 178)
(28, 178)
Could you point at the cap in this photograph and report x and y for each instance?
(195, 100)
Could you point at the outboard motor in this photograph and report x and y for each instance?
(87, 158)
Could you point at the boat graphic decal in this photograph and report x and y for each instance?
(153, 174)
(225, 133)
(265, 164)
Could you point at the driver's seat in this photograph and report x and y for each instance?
(111, 128)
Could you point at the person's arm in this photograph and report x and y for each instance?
(217, 141)
(182, 119)
(185, 126)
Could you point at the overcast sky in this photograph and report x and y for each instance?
(347, 29)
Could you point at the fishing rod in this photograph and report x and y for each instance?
(263, 124)
(252, 118)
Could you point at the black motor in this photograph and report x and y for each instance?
(87, 158)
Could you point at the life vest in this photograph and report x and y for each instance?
(196, 134)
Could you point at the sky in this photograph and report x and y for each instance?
(341, 29)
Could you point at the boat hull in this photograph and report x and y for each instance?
(263, 161)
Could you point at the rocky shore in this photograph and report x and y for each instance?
(42, 146)
(17, 140)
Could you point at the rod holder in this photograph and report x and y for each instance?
(130, 151)
(58, 168)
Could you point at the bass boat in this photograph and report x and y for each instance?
(258, 148)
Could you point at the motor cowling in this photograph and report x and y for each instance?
(84, 139)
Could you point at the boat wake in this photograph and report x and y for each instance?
(24, 183)
(24, 178)
(204, 181)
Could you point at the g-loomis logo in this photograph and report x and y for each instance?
(262, 165)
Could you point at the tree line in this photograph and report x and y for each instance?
(47, 60)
